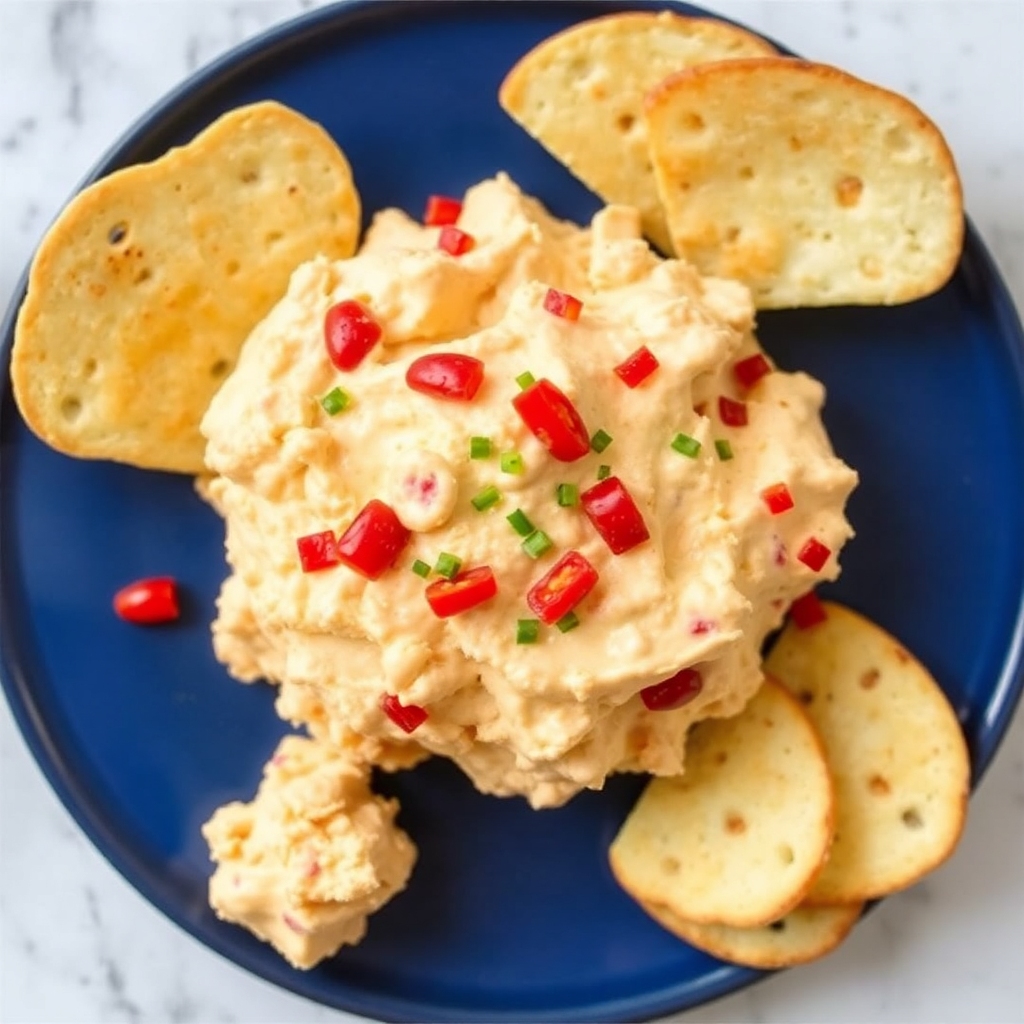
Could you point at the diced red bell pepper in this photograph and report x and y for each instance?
(807, 611)
(454, 242)
(350, 331)
(777, 498)
(814, 554)
(373, 542)
(562, 304)
(731, 412)
(441, 210)
(635, 369)
(318, 551)
(553, 420)
(467, 590)
(610, 507)
(408, 717)
(562, 587)
(673, 693)
(446, 375)
(750, 370)
(148, 601)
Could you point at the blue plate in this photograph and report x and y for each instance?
(511, 914)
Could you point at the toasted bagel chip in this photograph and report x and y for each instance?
(580, 94)
(895, 748)
(145, 287)
(803, 935)
(740, 837)
(809, 185)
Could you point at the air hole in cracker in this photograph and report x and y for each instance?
(848, 190)
(272, 237)
(911, 817)
(249, 175)
(693, 121)
(143, 275)
(806, 697)
(232, 267)
(625, 122)
(89, 367)
(219, 368)
(735, 824)
(118, 233)
(786, 854)
(869, 679)
(70, 408)
(731, 234)
(879, 786)
(778, 926)
(670, 865)
(746, 173)
(795, 144)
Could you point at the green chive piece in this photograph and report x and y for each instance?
(421, 568)
(603, 472)
(524, 380)
(520, 522)
(335, 401)
(600, 441)
(487, 498)
(527, 631)
(479, 447)
(567, 622)
(724, 450)
(448, 565)
(512, 462)
(686, 445)
(567, 495)
(537, 544)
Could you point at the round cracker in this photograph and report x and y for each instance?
(895, 748)
(742, 835)
(804, 934)
(144, 289)
(811, 186)
(580, 94)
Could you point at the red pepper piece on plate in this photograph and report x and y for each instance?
(408, 717)
(446, 375)
(561, 588)
(553, 420)
(374, 541)
(350, 331)
(441, 210)
(466, 590)
(673, 693)
(148, 601)
(635, 369)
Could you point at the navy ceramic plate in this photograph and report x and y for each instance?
(511, 914)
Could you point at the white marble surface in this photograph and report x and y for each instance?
(78, 945)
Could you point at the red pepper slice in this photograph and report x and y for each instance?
(635, 369)
(814, 554)
(562, 587)
(373, 542)
(318, 551)
(777, 498)
(149, 601)
(807, 611)
(612, 510)
(446, 375)
(350, 331)
(465, 591)
(453, 241)
(408, 717)
(732, 413)
(553, 420)
(750, 370)
(441, 210)
(562, 304)
(673, 693)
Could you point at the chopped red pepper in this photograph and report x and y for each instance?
(408, 717)
(374, 541)
(562, 304)
(699, 626)
(807, 611)
(149, 601)
(454, 242)
(318, 551)
(446, 375)
(441, 210)
(673, 693)
(350, 331)
(612, 510)
(465, 591)
(732, 413)
(750, 370)
(553, 420)
(562, 587)
(814, 554)
(777, 498)
(635, 369)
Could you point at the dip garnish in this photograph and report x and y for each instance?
(374, 541)
(525, 379)
(537, 544)
(686, 445)
(408, 717)
(724, 450)
(568, 622)
(610, 507)
(512, 463)
(567, 495)
(448, 565)
(467, 590)
(562, 304)
(149, 601)
(520, 522)
(317, 551)
(421, 568)
(600, 441)
(454, 242)
(479, 447)
(673, 693)
(731, 412)
(635, 369)
(777, 498)
(336, 400)
(603, 472)
(814, 554)
(553, 420)
(441, 210)
(485, 499)
(750, 370)
(807, 611)
(446, 375)
(350, 331)
(562, 587)
(527, 631)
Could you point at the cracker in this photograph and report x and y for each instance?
(742, 835)
(803, 935)
(580, 94)
(145, 287)
(809, 185)
(894, 745)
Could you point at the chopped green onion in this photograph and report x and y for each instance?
(335, 401)
(524, 380)
(512, 462)
(520, 522)
(686, 445)
(487, 498)
(603, 472)
(421, 568)
(448, 565)
(527, 631)
(537, 544)
(479, 447)
(600, 441)
(567, 622)
(724, 450)
(567, 495)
